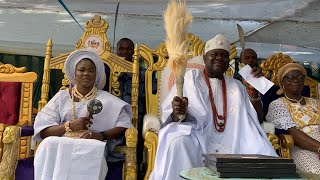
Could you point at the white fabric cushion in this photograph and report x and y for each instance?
(268, 127)
(150, 123)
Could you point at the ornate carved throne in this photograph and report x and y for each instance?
(16, 93)
(157, 60)
(95, 38)
(270, 69)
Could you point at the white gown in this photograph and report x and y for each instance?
(60, 158)
(181, 145)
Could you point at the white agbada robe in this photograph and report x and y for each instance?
(66, 158)
(181, 145)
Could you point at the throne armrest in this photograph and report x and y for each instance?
(150, 123)
(22, 122)
(130, 166)
(151, 143)
(269, 129)
(10, 139)
(286, 143)
(274, 140)
(27, 131)
(2, 128)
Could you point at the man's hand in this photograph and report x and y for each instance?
(256, 72)
(250, 89)
(179, 106)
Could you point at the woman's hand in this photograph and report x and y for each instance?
(179, 106)
(91, 135)
(82, 123)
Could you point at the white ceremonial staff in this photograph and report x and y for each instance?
(177, 18)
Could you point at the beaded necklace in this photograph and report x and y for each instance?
(297, 101)
(77, 94)
(82, 98)
(219, 126)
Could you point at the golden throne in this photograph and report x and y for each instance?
(16, 117)
(157, 60)
(95, 38)
(270, 69)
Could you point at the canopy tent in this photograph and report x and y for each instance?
(289, 26)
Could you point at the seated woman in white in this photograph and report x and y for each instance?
(300, 116)
(66, 114)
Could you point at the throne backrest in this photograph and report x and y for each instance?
(16, 87)
(157, 64)
(10, 102)
(270, 68)
(95, 39)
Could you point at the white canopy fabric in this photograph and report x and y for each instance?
(291, 26)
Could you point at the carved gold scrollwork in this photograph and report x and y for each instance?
(154, 65)
(9, 69)
(274, 141)
(2, 127)
(65, 81)
(115, 84)
(286, 143)
(151, 143)
(95, 27)
(271, 67)
(313, 85)
(130, 166)
(10, 150)
(135, 86)
(46, 77)
(118, 65)
(195, 45)
(25, 118)
(149, 55)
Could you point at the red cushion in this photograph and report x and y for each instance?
(10, 93)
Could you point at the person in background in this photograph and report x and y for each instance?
(249, 57)
(125, 48)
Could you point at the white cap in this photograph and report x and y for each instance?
(218, 42)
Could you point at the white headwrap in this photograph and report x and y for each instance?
(218, 42)
(75, 57)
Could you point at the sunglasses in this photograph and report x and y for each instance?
(291, 78)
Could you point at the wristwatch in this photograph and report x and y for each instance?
(104, 136)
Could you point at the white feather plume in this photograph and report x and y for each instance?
(177, 18)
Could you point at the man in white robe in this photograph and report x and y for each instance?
(181, 145)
